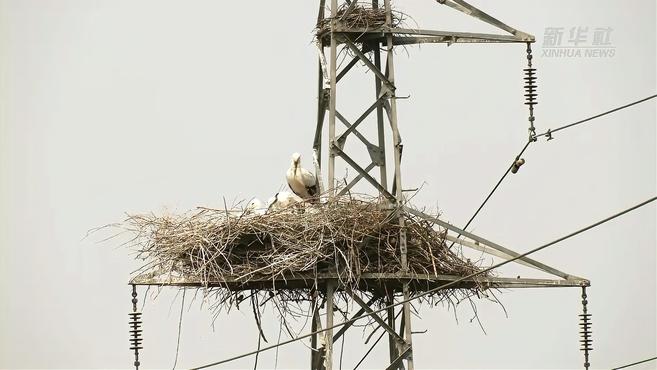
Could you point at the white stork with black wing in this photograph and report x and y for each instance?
(301, 181)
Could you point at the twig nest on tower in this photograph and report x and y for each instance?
(361, 17)
(343, 237)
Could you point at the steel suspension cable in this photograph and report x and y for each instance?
(551, 131)
(494, 189)
(548, 133)
(635, 363)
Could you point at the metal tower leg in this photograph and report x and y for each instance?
(383, 179)
(332, 92)
(314, 326)
(392, 346)
(390, 68)
(328, 335)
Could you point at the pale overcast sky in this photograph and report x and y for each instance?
(115, 106)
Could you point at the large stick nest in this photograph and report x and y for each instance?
(343, 237)
(361, 17)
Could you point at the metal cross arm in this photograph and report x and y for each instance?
(455, 36)
(470, 10)
(484, 248)
(532, 262)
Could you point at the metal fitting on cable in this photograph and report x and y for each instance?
(517, 164)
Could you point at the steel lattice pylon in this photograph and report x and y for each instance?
(374, 47)
(365, 45)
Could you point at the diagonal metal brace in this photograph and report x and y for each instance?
(377, 155)
(360, 119)
(394, 365)
(470, 10)
(346, 69)
(342, 139)
(370, 65)
(375, 316)
(337, 151)
(350, 323)
(321, 351)
(351, 64)
(355, 180)
(538, 265)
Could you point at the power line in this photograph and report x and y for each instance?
(446, 285)
(635, 363)
(494, 189)
(551, 131)
(374, 345)
(548, 133)
(369, 350)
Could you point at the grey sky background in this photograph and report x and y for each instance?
(109, 107)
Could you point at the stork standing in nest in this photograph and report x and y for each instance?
(301, 181)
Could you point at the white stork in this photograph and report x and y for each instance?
(282, 200)
(256, 206)
(301, 181)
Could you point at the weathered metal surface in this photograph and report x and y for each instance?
(486, 249)
(376, 317)
(352, 127)
(328, 335)
(360, 34)
(363, 58)
(536, 264)
(314, 326)
(383, 175)
(468, 9)
(405, 355)
(337, 151)
(391, 282)
(392, 347)
(341, 141)
(346, 326)
(353, 182)
(332, 96)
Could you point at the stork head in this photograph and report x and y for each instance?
(254, 204)
(296, 160)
